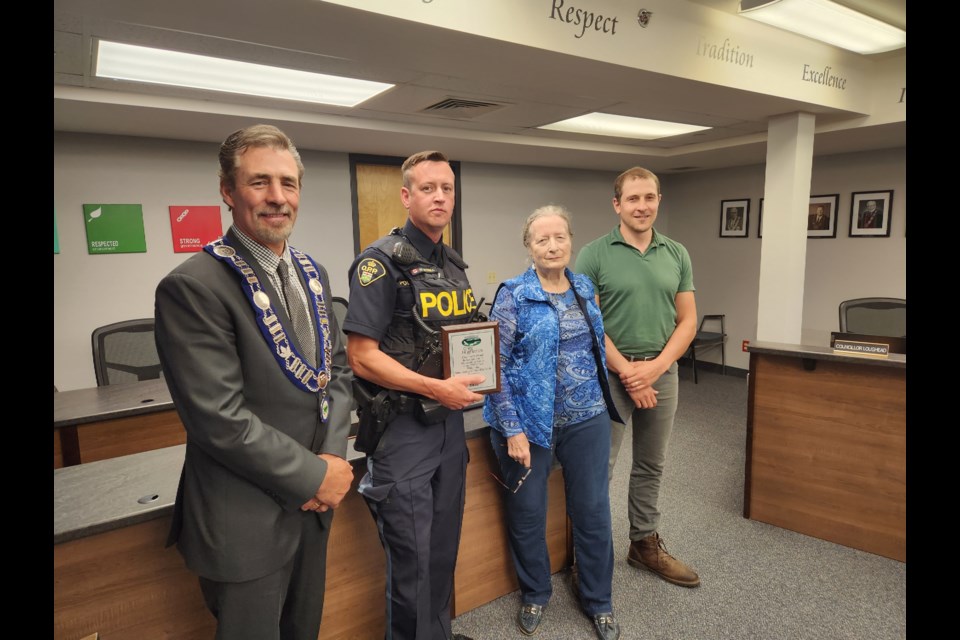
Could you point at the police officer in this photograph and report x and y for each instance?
(403, 288)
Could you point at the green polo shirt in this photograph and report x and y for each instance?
(637, 290)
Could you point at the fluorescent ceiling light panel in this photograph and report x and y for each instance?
(605, 124)
(157, 66)
(828, 22)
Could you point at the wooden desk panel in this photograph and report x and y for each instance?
(485, 568)
(123, 436)
(124, 584)
(57, 451)
(354, 605)
(827, 451)
(112, 421)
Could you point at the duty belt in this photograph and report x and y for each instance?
(406, 404)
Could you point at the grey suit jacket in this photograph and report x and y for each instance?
(252, 436)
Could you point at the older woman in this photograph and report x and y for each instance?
(554, 401)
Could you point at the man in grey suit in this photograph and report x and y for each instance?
(257, 370)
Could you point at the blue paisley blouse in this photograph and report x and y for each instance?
(548, 371)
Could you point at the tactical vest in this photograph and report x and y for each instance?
(428, 298)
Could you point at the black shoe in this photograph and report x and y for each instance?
(529, 617)
(606, 626)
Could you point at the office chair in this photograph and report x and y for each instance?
(874, 316)
(125, 352)
(340, 306)
(708, 340)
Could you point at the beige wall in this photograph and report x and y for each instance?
(726, 269)
(90, 291)
(496, 201)
(93, 290)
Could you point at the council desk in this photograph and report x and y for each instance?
(113, 420)
(113, 575)
(826, 445)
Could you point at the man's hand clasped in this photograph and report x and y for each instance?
(638, 379)
(334, 486)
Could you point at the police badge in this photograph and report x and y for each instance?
(370, 270)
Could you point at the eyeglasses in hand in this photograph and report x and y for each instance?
(525, 475)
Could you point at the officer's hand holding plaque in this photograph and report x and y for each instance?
(473, 348)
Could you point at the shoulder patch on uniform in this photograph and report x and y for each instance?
(370, 270)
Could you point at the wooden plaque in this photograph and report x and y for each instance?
(471, 348)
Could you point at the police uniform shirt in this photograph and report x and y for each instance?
(379, 289)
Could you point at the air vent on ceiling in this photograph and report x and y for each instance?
(462, 108)
(683, 168)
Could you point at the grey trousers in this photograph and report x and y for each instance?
(651, 435)
(284, 605)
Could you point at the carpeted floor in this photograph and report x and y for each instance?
(758, 581)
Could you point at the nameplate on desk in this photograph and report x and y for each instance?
(853, 347)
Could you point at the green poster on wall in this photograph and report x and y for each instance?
(114, 228)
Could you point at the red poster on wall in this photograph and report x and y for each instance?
(194, 226)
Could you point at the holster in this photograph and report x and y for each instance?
(374, 411)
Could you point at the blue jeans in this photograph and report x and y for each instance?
(583, 451)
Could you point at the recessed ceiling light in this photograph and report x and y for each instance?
(159, 66)
(606, 124)
(827, 22)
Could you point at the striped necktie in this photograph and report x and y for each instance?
(298, 314)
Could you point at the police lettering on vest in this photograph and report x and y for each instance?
(440, 296)
(442, 305)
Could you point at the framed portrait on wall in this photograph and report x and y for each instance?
(822, 216)
(870, 213)
(734, 218)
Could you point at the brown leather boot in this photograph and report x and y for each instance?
(651, 554)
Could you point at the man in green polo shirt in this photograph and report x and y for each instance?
(644, 283)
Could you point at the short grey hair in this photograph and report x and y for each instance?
(542, 212)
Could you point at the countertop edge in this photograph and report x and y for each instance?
(115, 414)
(110, 525)
(894, 360)
(474, 427)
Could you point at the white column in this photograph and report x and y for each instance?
(783, 252)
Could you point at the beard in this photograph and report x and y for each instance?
(273, 233)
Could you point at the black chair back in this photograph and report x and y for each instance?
(340, 313)
(125, 352)
(874, 316)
